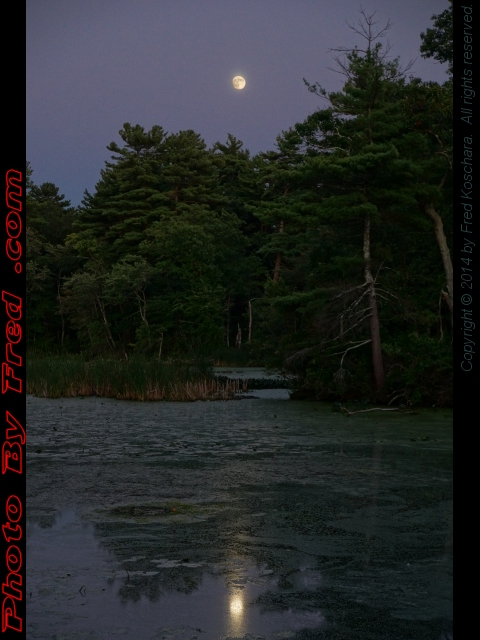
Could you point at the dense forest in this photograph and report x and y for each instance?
(328, 257)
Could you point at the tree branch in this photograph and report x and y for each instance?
(351, 413)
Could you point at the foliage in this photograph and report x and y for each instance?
(182, 252)
(437, 43)
(134, 379)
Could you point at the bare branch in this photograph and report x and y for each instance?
(389, 293)
(379, 295)
(351, 413)
(349, 349)
(357, 301)
(344, 293)
(400, 395)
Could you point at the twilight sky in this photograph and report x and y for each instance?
(94, 64)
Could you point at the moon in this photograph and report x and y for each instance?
(238, 82)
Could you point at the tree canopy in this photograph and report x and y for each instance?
(331, 252)
(437, 42)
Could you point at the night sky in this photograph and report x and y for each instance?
(94, 64)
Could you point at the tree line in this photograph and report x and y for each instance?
(328, 256)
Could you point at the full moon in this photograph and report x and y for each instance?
(238, 82)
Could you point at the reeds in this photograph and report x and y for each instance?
(133, 379)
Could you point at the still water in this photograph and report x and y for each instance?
(254, 518)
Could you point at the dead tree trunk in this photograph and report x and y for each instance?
(250, 318)
(160, 346)
(105, 322)
(142, 307)
(61, 312)
(377, 357)
(228, 321)
(445, 254)
(278, 260)
(238, 340)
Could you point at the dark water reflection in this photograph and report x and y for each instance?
(222, 519)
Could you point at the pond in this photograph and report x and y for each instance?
(252, 518)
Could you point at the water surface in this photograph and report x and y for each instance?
(250, 518)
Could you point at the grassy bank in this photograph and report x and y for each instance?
(133, 379)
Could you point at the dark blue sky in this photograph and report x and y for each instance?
(94, 64)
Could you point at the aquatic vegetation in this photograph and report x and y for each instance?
(134, 379)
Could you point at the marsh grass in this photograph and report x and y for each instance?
(133, 379)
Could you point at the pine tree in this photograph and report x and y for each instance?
(355, 171)
(437, 43)
(127, 198)
(429, 145)
(158, 208)
(243, 276)
(49, 221)
(278, 173)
